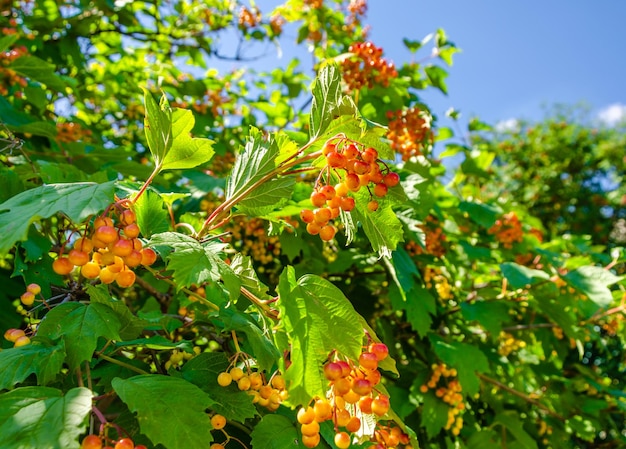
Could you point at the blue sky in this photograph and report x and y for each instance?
(517, 56)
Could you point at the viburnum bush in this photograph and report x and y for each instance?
(198, 252)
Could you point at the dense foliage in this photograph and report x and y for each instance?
(193, 256)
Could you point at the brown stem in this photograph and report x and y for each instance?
(521, 395)
(155, 172)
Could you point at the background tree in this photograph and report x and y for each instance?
(195, 255)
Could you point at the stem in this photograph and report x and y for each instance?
(122, 364)
(226, 206)
(519, 394)
(267, 310)
(155, 172)
(237, 348)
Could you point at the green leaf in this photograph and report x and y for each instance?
(230, 402)
(491, 315)
(437, 77)
(77, 200)
(317, 319)
(39, 70)
(275, 432)
(8, 40)
(257, 160)
(593, 282)
(326, 99)
(186, 151)
(131, 326)
(382, 228)
(516, 427)
(266, 198)
(80, 326)
(170, 411)
(466, 358)
(434, 414)
(158, 127)
(483, 214)
(152, 218)
(196, 263)
(242, 267)
(265, 352)
(520, 276)
(157, 342)
(39, 417)
(37, 358)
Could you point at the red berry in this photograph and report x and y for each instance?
(328, 191)
(362, 387)
(92, 442)
(332, 371)
(347, 204)
(336, 160)
(391, 179)
(361, 167)
(368, 360)
(124, 443)
(380, 349)
(350, 151)
(380, 190)
(369, 155)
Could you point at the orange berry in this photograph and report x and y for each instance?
(361, 167)
(122, 247)
(21, 341)
(306, 415)
(372, 206)
(131, 231)
(342, 440)
(369, 155)
(124, 443)
(83, 244)
(91, 442)
(380, 405)
(323, 410)
(35, 289)
(307, 215)
(332, 371)
(27, 298)
(107, 276)
(347, 204)
(311, 441)
(148, 257)
(368, 360)
(90, 270)
(13, 334)
(62, 266)
(380, 349)
(380, 190)
(341, 189)
(354, 424)
(322, 216)
(77, 257)
(128, 217)
(328, 191)
(328, 148)
(352, 182)
(313, 228)
(391, 179)
(224, 379)
(342, 417)
(125, 278)
(102, 221)
(311, 428)
(106, 234)
(318, 199)
(327, 233)
(336, 160)
(362, 387)
(133, 259)
(218, 422)
(350, 151)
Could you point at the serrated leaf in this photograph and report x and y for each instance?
(77, 200)
(326, 99)
(80, 326)
(516, 427)
(382, 228)
(38, 358)
(152, 217)
(186, 151)
(466, 358)
(593, 282)
(520, 276)
(38, 417)
(434, 414)
(266, 198)
(170, 411)
(257, 160)
(242, 267)
(131, 326)
(317, 319)
(275, 432)
(264, 351)
(196, 263)
(230, 402)
(158, 126)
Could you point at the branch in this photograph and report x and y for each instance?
(521, 395)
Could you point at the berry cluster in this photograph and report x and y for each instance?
(441, 284)
(269, 394)
(509, 344)
(277, 22)
(71, 132)
(249, 18)
(110, 253)
(434, 239)
(366, 67)
(449, 391)
(410, 131)
(508, 230)
(351, 396)
(9, 77)
(17, 336)
(96, 442)
(356, 167)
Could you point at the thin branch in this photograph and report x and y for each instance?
(521, 395)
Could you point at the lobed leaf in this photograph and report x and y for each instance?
(170, 411)
(158, 127)
(42, 360)
(186, 151)
(40, 417)
(76, 200)
(275, 432)
(327, 98)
